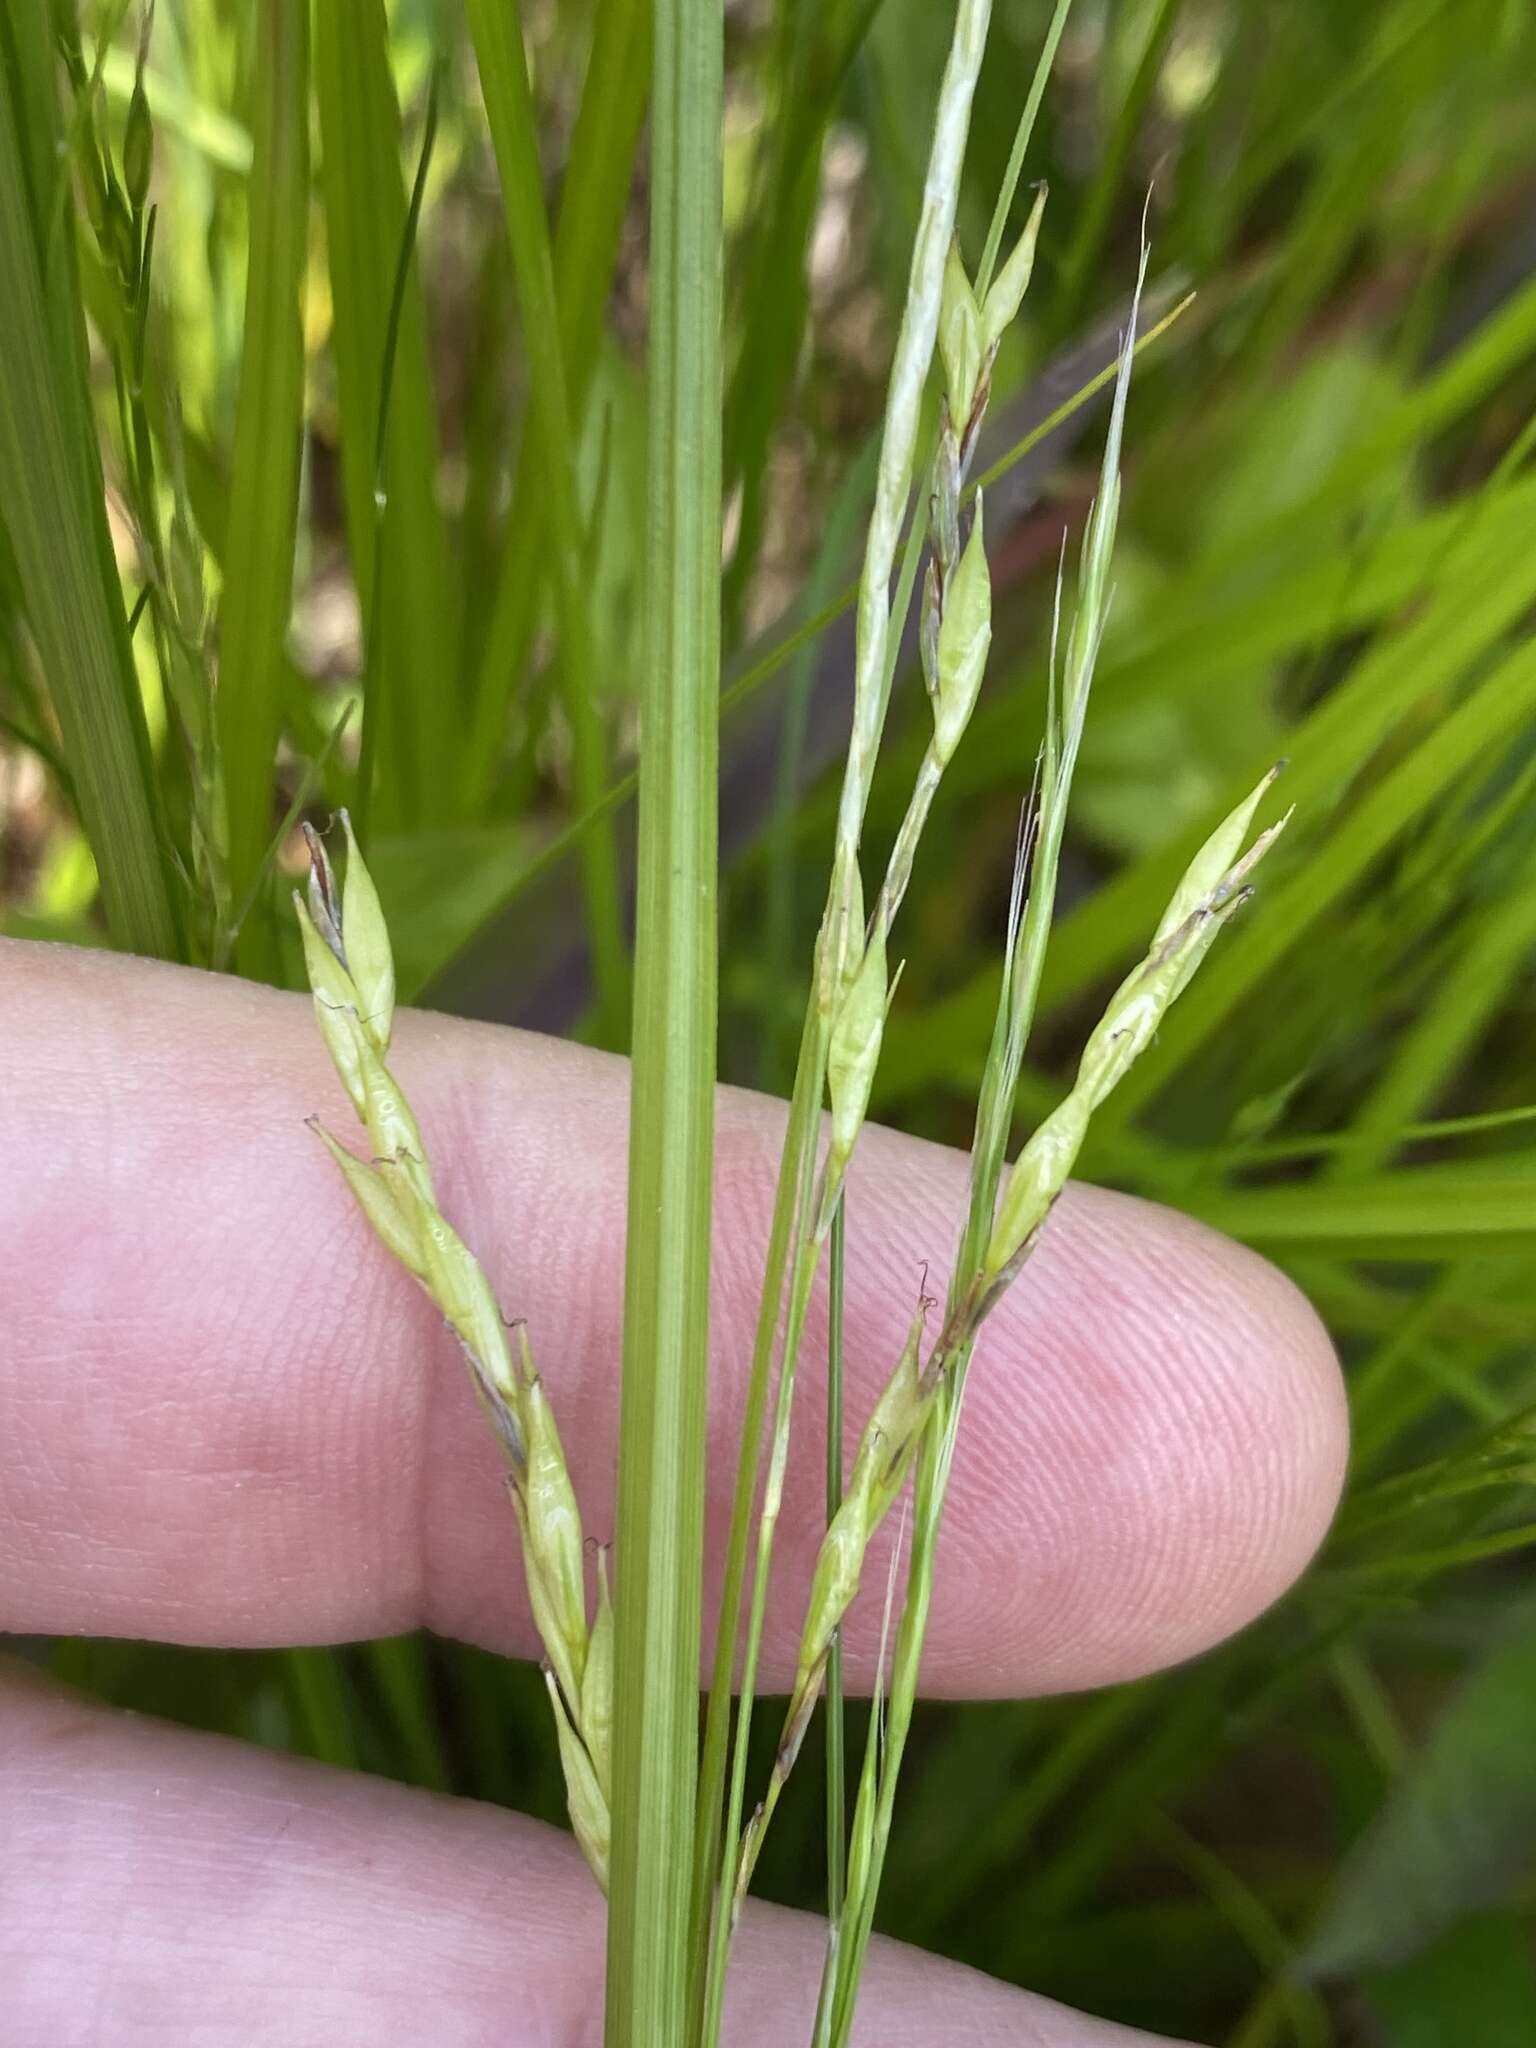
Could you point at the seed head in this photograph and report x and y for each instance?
(1211, 890)
(351, 972)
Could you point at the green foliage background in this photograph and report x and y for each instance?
(431, 474)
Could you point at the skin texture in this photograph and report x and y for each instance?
(225, 1417)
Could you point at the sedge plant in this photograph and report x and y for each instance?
(151, 411)
(924, 518)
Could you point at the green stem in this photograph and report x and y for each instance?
(660, 1536)
(798, 1145)
(807, 1244)
(932, 1478)
(837, 1807)
(1016, 155)
(808, 1236)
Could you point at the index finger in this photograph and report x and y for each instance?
(227, 1417)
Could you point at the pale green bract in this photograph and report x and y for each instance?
(963, 643)
(1006, 295)
(960, 343)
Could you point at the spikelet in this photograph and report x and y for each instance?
(1212, 888)
(884, 1456)
(352, 977)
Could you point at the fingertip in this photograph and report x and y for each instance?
(1163, 1433)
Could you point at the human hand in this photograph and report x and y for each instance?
(226, 1418)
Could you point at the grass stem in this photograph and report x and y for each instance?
(837, 1798)
(660, 1540)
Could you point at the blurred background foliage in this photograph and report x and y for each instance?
(321, 371)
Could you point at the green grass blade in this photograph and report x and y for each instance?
(1478, 731)
(1473, 603)
(1419, 1213)
(1500, 345)
(1093, 222)
(815, 42)
(264, 473)
(1020, 149)
(373, 631)
(32, 116)
(666, 1308)
(597, 179)
(586, 246)
(55, 518)
(1252, 1921)
(1184, 655)
(1456, 1826)
(1477, 1983)
(1455, 1014)
(399, 1667)
(509, 109)
(1394, 30)
(413, 701)
(319, 1693)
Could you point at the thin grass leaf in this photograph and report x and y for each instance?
(1022, 137)
(1093, 221)
(1477, 1983)
(412, 657)
(1476, 733)
(1483, 587)
(1254, 1924)
(509, 111)
(1498, 346)
(1459, 1009)
(264, 469)
(598, 175)
(815, 43)
(1416, 1213)
(399, 1667)
(1180, 656)
(318, 1689)
(1455, 1828)
(55, 516)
